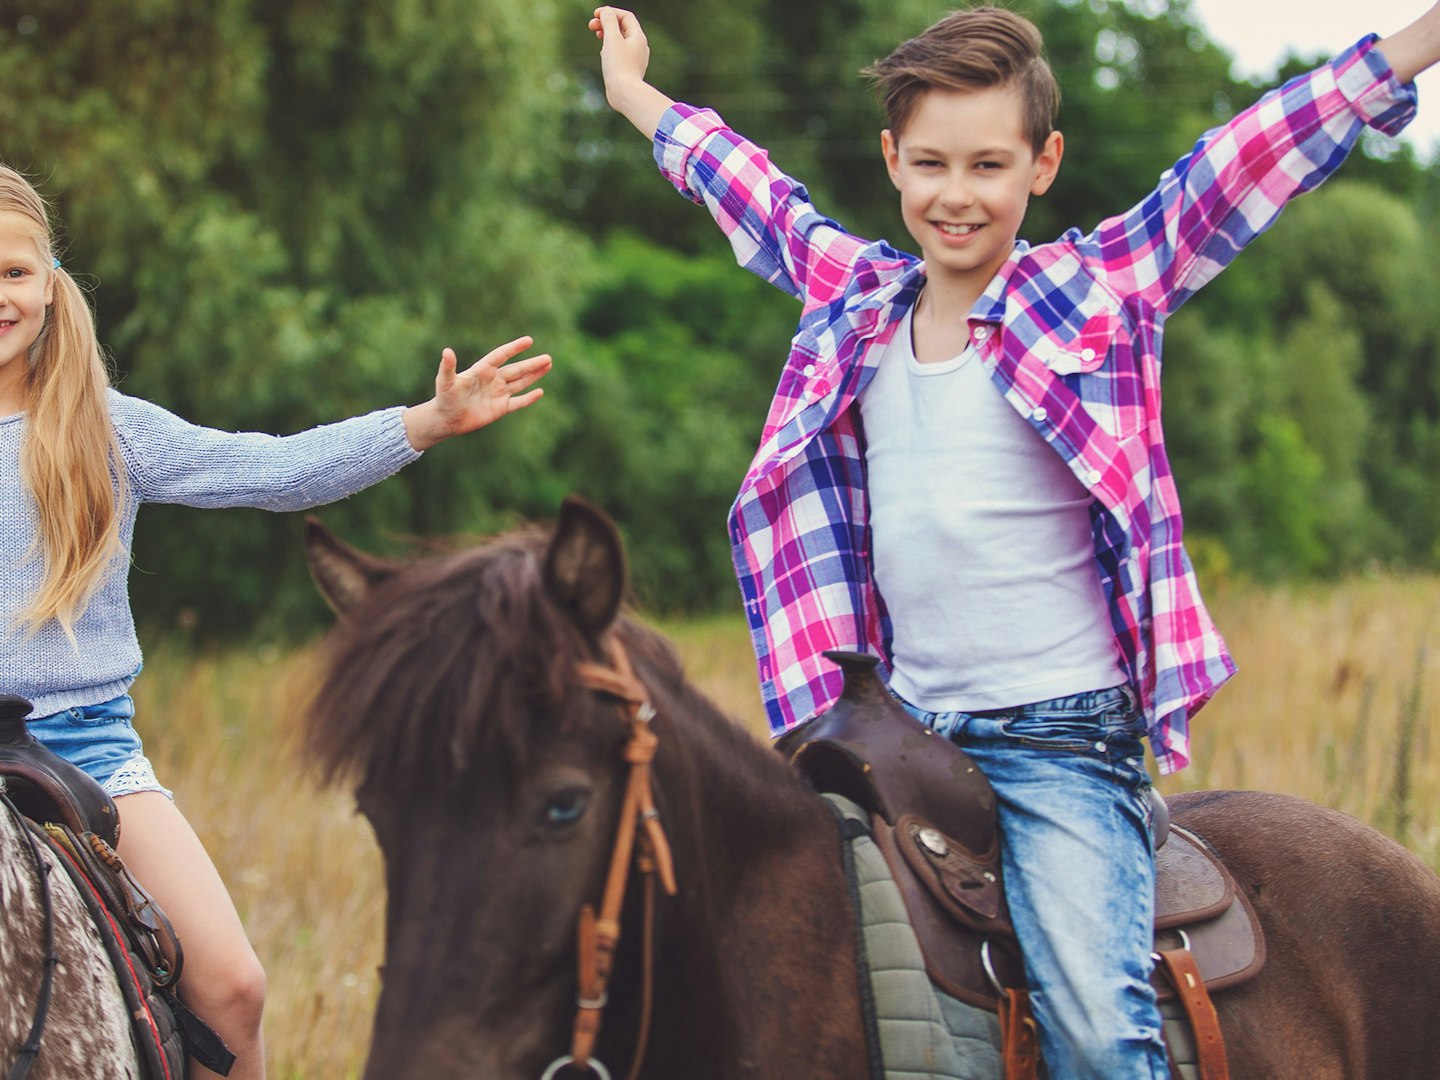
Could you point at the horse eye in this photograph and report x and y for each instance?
(565, 808)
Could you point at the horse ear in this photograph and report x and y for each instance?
(585, 566)
(342, 573)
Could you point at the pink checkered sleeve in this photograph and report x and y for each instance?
(767, 216)
(1232, 186)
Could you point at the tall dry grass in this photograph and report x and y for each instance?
(1334, 703)
(301, 865)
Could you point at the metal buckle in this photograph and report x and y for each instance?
(990, 968)
(1184, 943)
(561, 1062)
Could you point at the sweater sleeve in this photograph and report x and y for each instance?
(173, 461)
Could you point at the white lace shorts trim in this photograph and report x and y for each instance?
(137, 774)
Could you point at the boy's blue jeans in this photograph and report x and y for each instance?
(1074, 809)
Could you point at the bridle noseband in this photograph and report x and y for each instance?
(599, 935)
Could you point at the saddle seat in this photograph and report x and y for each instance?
(933, 815)
(46, 787)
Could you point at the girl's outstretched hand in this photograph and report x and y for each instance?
(481, 394)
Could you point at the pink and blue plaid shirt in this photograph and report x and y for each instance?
(1070, 333)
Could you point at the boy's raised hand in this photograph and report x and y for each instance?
(624, 58)
(624, 52)
(481, 394)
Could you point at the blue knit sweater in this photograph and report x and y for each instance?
(167, 460)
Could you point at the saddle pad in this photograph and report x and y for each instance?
(1179, 1041)
(924, 1034)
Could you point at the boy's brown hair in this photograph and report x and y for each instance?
(971, 50)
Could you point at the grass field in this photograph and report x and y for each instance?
(1335, 702)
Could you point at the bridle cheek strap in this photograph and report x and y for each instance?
(599, 934)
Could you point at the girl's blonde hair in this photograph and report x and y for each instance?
(69, 456)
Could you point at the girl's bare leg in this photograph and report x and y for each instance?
(222, 981)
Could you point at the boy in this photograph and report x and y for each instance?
(963, 469)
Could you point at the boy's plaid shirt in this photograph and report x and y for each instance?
(1070, 333)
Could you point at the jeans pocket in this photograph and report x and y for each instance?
(1071, 734)
(119, 710)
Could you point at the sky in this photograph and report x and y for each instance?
(1258, 32)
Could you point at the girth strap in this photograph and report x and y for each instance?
(1179, 966)
(1019, 1037)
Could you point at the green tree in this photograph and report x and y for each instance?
(1285, 485)
(680, 359)
(290, 208)
(1330, 315)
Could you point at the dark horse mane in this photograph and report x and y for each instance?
(435, 678)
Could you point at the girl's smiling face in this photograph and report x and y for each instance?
(27, 286)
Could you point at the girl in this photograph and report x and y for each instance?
(76, 460)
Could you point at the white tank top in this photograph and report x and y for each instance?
(981, 542)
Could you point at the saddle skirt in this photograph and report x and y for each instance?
(933, 816)
(46, 787)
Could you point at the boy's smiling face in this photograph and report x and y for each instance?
(965, 170)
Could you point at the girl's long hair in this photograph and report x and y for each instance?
(69, 456)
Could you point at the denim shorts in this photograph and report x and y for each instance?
(101, 741)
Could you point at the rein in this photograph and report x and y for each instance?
(639, 838)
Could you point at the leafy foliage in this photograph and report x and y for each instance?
(290, 206)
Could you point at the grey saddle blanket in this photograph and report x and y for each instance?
(924, 1034)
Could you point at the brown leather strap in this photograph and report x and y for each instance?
(647, 966)
(598, 934)
(1179, 965)
(1018, 1037)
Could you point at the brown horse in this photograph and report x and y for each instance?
(86, 1035)
(492, 778)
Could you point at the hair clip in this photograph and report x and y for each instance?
(57, 264)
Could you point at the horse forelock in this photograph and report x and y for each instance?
(457, 665)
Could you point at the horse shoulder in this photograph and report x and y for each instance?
(87, 1030)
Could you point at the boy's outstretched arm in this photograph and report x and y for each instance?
(624, 56)
(1417, 47)
(481, 394)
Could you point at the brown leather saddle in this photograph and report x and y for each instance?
(933, 816)
(46, 787)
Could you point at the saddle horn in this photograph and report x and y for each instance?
(867, 748)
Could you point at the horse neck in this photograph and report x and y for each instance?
(763, 918)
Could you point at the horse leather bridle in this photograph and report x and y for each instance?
(599, 935)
